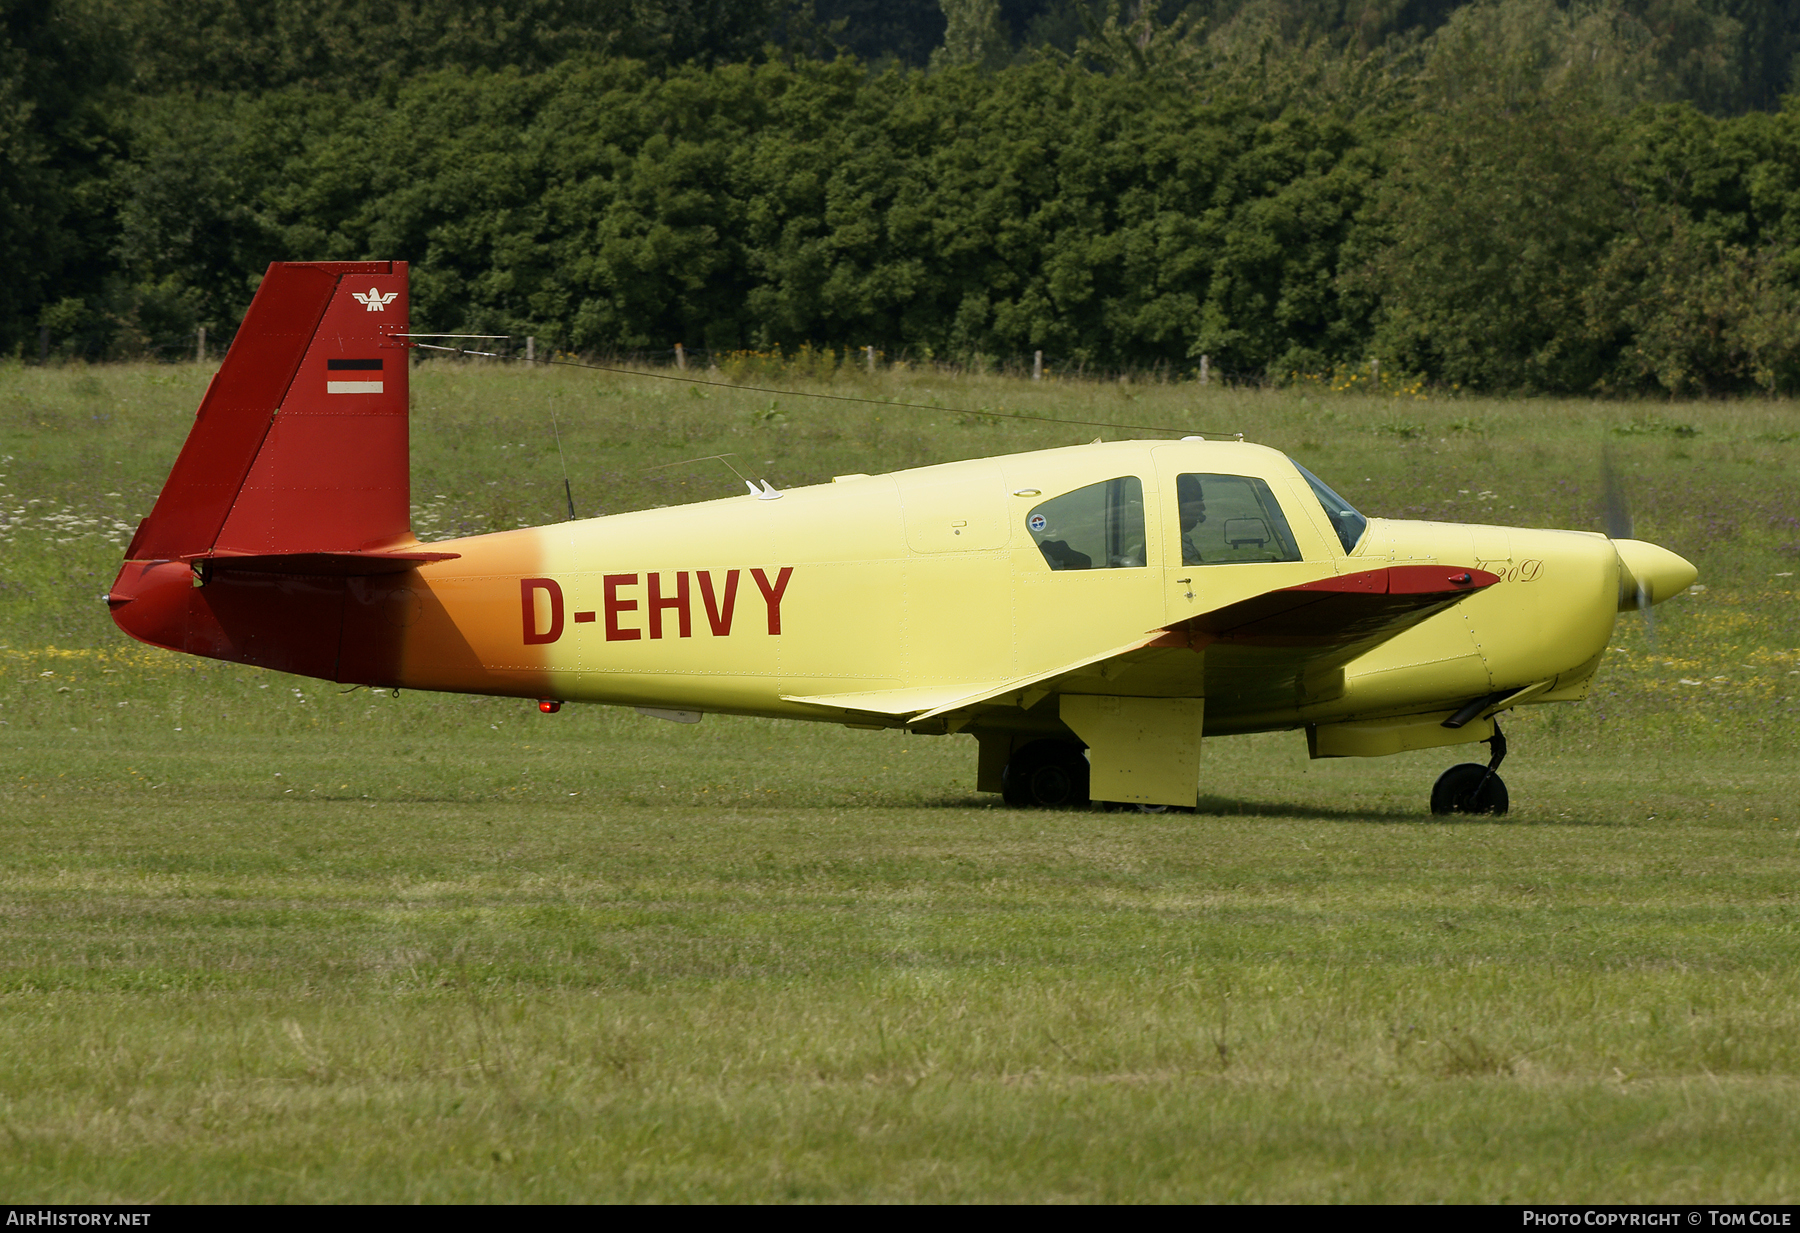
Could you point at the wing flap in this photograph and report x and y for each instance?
(932, 701)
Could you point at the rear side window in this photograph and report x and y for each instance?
(1231, 520)
(1097, 527)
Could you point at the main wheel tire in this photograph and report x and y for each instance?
(1469, 788)
(1046, 775)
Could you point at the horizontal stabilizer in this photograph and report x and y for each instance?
(319, 564)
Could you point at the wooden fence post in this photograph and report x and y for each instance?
(200, 347)
(530, 349)
(1205, 369)
(1037, 366)
(680, 357)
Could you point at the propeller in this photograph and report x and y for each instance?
(1618, 527)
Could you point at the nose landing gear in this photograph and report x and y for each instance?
(1471, 787)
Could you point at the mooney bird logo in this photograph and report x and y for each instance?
(374, 301)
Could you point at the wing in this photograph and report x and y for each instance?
(1280, 648)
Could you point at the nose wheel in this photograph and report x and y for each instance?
(1471, 787)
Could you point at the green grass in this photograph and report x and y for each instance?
(261, 940)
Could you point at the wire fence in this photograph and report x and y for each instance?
(209, 346)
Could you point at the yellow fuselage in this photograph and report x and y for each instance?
(850, 598)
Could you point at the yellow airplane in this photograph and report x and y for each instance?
(1087, 614)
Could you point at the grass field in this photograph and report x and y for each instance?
(262, 940)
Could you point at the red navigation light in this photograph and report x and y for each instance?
(549, 706)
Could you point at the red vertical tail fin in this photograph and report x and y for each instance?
(300, 445)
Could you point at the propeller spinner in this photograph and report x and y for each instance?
(1648, 574)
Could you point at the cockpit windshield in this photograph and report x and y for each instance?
(1344, 519)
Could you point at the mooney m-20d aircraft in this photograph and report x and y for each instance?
(1087, 614)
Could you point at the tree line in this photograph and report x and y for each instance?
(1507, 194)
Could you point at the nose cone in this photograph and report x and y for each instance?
(1648, 574)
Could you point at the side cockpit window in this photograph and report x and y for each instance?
(1231, 520)
(1097, 527)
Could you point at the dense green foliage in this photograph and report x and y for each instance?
(1504, 194)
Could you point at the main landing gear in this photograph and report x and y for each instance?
(1471, 787)
(1048, 774)
(1051, 774)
